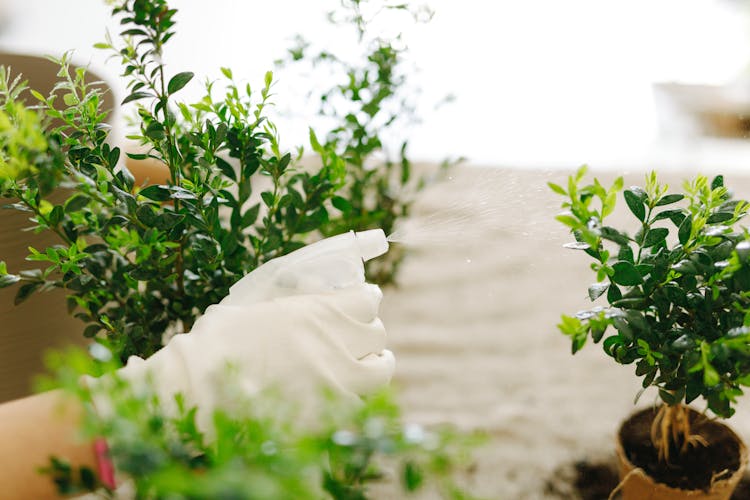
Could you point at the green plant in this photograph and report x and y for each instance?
(370, 101)
(259, 450)
(142, 260)
(25, 153)
(139, 261)
(677, 291)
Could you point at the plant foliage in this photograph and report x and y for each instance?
(140, 260)
(370, 102)
(677, 290)
(259, 450)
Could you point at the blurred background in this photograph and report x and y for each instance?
(539, 83)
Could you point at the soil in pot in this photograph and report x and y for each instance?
(692, 470)
(588, 479)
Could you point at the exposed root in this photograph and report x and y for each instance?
(671, 430)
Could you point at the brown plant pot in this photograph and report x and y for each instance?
(637, 463)
(34, 326)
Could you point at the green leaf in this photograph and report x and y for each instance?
(268, 198)
(642, 368)
(579, 342)
(635, 203)
(314, 220)
(610, 343)
(668, 397)
(88, 478)
(613, 294)
(284, 162)
(133, 32)
(685, 266)
(26, 291)
(155, 131)
(669, 199)
(227, 72)
(669, 214)
(314, 142)
(557, 188)
(156, 193)
(597, 290)
(56, 216)
(612, 234)
(719, 217)
(597, 333)
(655, 236)
(7, 280)
(136, 96)
(342, 204)
(226, 168)
(685, 229)
(623, 328)
(146, 215)
(180, 193)
(717, 182)
(577, 245)
(168, 219)
(178, 81)
(250, 216)
(626, 253)
(626, 274)
(77, 202)
(629, 303)
(141, 274)
(568, 220)
(37, 95)
(412, 476)
(710, 375)
(91, 331)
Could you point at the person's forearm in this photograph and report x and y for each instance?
(31, 431)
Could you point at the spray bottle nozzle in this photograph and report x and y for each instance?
(371, 244)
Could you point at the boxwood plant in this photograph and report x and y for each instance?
(677, 292)
(142, 260)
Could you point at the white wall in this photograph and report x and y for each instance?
(539, 82)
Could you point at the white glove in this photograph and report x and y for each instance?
(301, 323)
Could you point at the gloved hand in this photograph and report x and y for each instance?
(299, 323)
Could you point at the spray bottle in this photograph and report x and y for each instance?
(330, 264)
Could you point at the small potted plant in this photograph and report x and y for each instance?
(677, 307)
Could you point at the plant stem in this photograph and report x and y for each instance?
(175, 172)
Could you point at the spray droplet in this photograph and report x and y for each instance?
(468, 261)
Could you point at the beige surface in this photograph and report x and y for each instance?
(473, 329)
